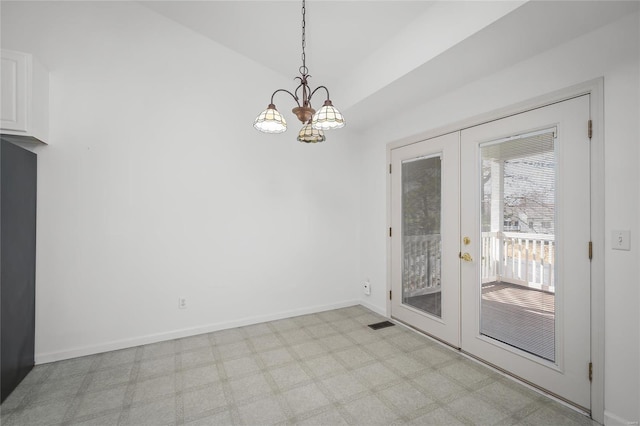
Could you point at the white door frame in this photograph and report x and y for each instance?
(596, 89)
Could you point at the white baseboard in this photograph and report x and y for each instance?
(373, 308)
(43, 358)
(611, 419)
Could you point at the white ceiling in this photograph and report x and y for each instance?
(339, 33)
(368, 52)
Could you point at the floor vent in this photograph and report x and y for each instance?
(379, 325)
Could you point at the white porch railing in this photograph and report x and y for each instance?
(513, 257)
(421, 265)
(519, 258)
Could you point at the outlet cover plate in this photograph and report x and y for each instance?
(182, 303)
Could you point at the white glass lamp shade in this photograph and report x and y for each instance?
(310, 135)
(327, 118)
(270, 121)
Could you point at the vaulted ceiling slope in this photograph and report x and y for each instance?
(391, 53)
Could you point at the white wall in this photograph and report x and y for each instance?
(612, 52)
(155, 186)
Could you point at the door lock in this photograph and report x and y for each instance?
(466, 257)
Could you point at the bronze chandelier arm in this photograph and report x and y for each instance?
(295, 98)
(317, 88)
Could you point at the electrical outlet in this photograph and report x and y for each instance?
(367, 288)
(620, 240)
(182, 303)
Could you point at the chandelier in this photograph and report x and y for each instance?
(313, 123)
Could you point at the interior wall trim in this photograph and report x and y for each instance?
(373, 308)
(43, 358)
(611, 419)
(585, 88)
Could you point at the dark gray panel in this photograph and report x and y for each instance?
(18, 263)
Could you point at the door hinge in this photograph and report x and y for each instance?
(590, 129)
(389, 232)
(390, 295)
(389, 168)
(590, 371)
(590, 250)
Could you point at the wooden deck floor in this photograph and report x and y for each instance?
(521, 317)
(512, 314)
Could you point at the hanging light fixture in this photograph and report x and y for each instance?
(310, 135)
(314, 123)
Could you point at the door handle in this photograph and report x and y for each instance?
(466, 257)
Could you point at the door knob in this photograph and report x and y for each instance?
(466, 257)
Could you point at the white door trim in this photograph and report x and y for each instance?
(596, 89)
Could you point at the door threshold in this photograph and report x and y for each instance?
(424, 333)
(575, 407)
(527, 384)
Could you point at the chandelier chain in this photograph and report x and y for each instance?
(327, 117)
(303, 68)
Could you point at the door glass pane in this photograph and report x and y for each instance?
(518, 242)
(421, 241)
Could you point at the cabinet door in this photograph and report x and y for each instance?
(14, 91)
(24, 85)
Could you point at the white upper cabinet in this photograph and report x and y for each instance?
(25, 96)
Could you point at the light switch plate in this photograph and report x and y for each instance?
(620, 240)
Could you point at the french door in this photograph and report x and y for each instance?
(512, 273)
(425, 268)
